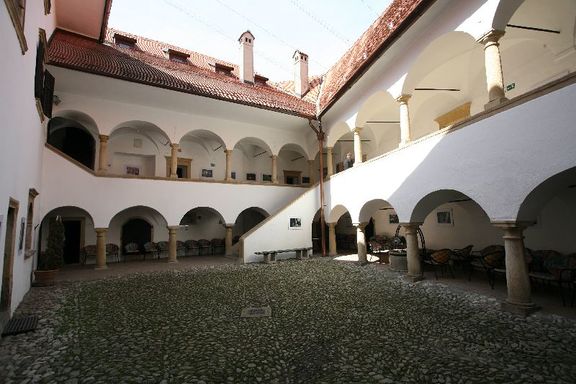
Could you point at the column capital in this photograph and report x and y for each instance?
(329, 149)
(491, 37)
(175, 146)
(360, 226)
(103, 138)
(403, 99)
(273, 157)
(173, 227)
(229, 226)
(410, 228)
(503, 224)
(228, 151)
(100, 230)
(357, 130)
(332, 225)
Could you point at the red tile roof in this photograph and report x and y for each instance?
(148, 64)
(396, 18)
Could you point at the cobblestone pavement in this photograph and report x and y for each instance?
(330, 323)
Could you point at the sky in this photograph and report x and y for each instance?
(323, 29)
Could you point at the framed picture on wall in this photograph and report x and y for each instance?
(206, 173)
(393, 218)
(131, 170)
(444, 217)
(266, 177)
(233, 175)
(251, 176)
(295, 223)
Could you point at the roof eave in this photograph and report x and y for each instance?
(398, 32)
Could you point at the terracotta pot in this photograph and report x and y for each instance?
(45, 278)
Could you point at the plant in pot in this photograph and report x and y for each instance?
(50, 260)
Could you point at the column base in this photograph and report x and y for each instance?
(523, 309)
(414, 278)
(100, 267)
(494, 103)
(172, 261)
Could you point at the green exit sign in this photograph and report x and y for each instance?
(510, 87)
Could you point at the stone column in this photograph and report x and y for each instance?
(228, 176)
(405, 135)
(274, 169)
(332, 251)
(517, 280)
(228, 239)
(329, 161)
(493, 67)
(361, 242)
(311, 171)
(412, 252)
(172, 246)
(103, 154)
(357, 146)
(101, 248)
(174, 160)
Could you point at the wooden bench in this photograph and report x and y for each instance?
(270, 256)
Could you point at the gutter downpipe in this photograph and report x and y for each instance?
(320, 137)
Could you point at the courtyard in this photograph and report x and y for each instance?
(329, 322)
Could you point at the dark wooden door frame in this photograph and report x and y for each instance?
(8, 265)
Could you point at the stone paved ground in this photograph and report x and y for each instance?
(331, 323)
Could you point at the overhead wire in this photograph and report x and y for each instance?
(335, 33)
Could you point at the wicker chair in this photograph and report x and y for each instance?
(113, 251)
(86, 252)
(162, 248)
(192, 248)
(131, 249)
(218, 246)
(180, 248)
(150, 248)
(205, 247)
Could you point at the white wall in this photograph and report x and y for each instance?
(22, 132)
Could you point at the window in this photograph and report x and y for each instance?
(177, 56)
(17, 11)
(47, 6)
(32, 193)
(124, 41)
(43, 80)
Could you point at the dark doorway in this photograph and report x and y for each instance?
(73, 141)
(369, 231)
(136, 231)
(6, 295)
(72, 241)
(317, 236)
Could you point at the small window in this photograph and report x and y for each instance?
(17, 11)
(177, 56)
(47, 6)
(124, 41)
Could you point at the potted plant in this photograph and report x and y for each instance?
(50, 260)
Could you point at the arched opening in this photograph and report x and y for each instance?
(446, 83)
(345, 144)
(252, 159)
(246, 220)
(294, 167)
(344, 229)
(78, 233)
(202, 156)
(139, 148)
(135, 229)
(381, 114)
(317, 235)
(73, 139)
(203, 232)
(538, 45)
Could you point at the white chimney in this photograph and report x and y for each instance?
(301, 85)
(246, 57)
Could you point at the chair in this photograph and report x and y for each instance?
(113, 250)
(180, 248)
(218, 246)
(86, 252)
(463, 257)
(162, 248)
(441, 259)
(491, 260)
(192, 248)
(150, 248)
(205, 247)
(131, 249)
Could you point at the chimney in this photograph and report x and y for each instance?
(301, 85)
(246, 57)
